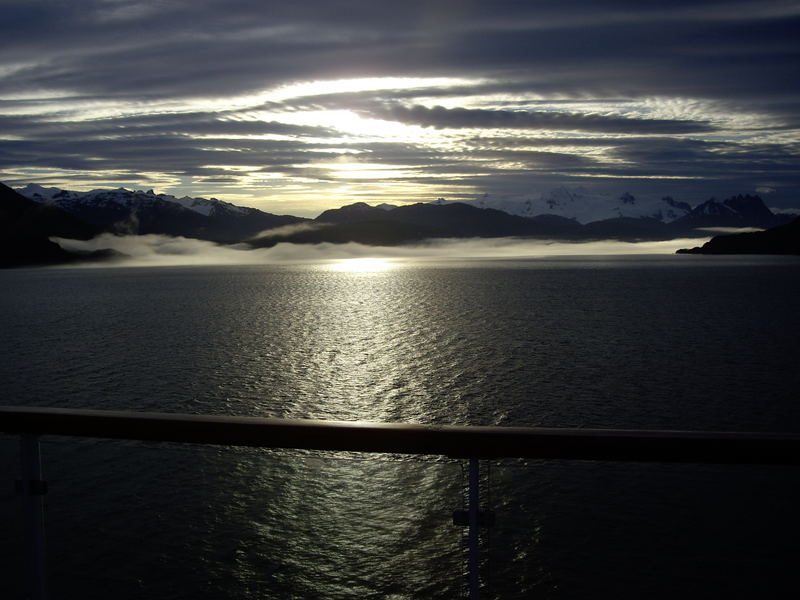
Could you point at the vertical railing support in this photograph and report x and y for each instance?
(33, 489)
(474, 511)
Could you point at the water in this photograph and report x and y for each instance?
(703, 343)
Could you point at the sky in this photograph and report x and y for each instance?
(297, 107)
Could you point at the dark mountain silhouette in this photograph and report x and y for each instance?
(53, 212)
(465, 220)
(783, 239)
(448, 220)
(353, 213)
(25, 229)
(461, 220)
(366, 224)
(559, 227)
(628, 228)
(751, 209)
(151, 215)
(136, 212)
(737, 211)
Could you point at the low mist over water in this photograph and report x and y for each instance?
(158, 250)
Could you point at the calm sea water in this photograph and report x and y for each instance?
(672, 342)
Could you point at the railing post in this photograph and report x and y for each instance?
(33, 489)
(474, 508)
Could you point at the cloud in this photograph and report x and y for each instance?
(786, 211)
(190, 49)
(440, 117)
(289, 230)
(211, 124)
(159, 250)
(180, 92)
(729, 230)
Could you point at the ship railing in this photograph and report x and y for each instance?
(470, 443)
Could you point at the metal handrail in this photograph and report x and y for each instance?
(449, 440)
(471, 442)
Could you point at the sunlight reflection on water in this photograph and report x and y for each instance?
(362, 265)
(669, 342)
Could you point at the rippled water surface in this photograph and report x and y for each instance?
(635, 342)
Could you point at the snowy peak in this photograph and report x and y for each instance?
(751, 207)
(138, 212)
(49, 195)
(127, 199)
(674, 209)
(712, 208)
(734, 211)
(208, 207)
(35, 190)
(582, 206)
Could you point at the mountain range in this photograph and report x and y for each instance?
(386, 224)
(583, 206)
(35, 213)
(136, 212)
(26, 228)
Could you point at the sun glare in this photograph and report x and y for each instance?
(349, 123)
(362, 265)
(363, 84)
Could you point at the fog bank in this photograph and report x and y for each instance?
(161, 250)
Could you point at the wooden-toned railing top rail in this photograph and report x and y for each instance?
(449, 440)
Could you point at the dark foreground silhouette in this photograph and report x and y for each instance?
(26, 228)
(784, 239)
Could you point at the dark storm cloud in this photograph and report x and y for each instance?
(169, 49)
(166, 154)
(708, 58)
(188, 124)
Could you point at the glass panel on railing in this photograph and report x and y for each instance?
(571, 529)
(132, 520)
(11, 537)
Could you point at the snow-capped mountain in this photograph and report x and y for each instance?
(127, 198)
(560, 214)
(734, 211)
(586, 207)
(128, 211)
